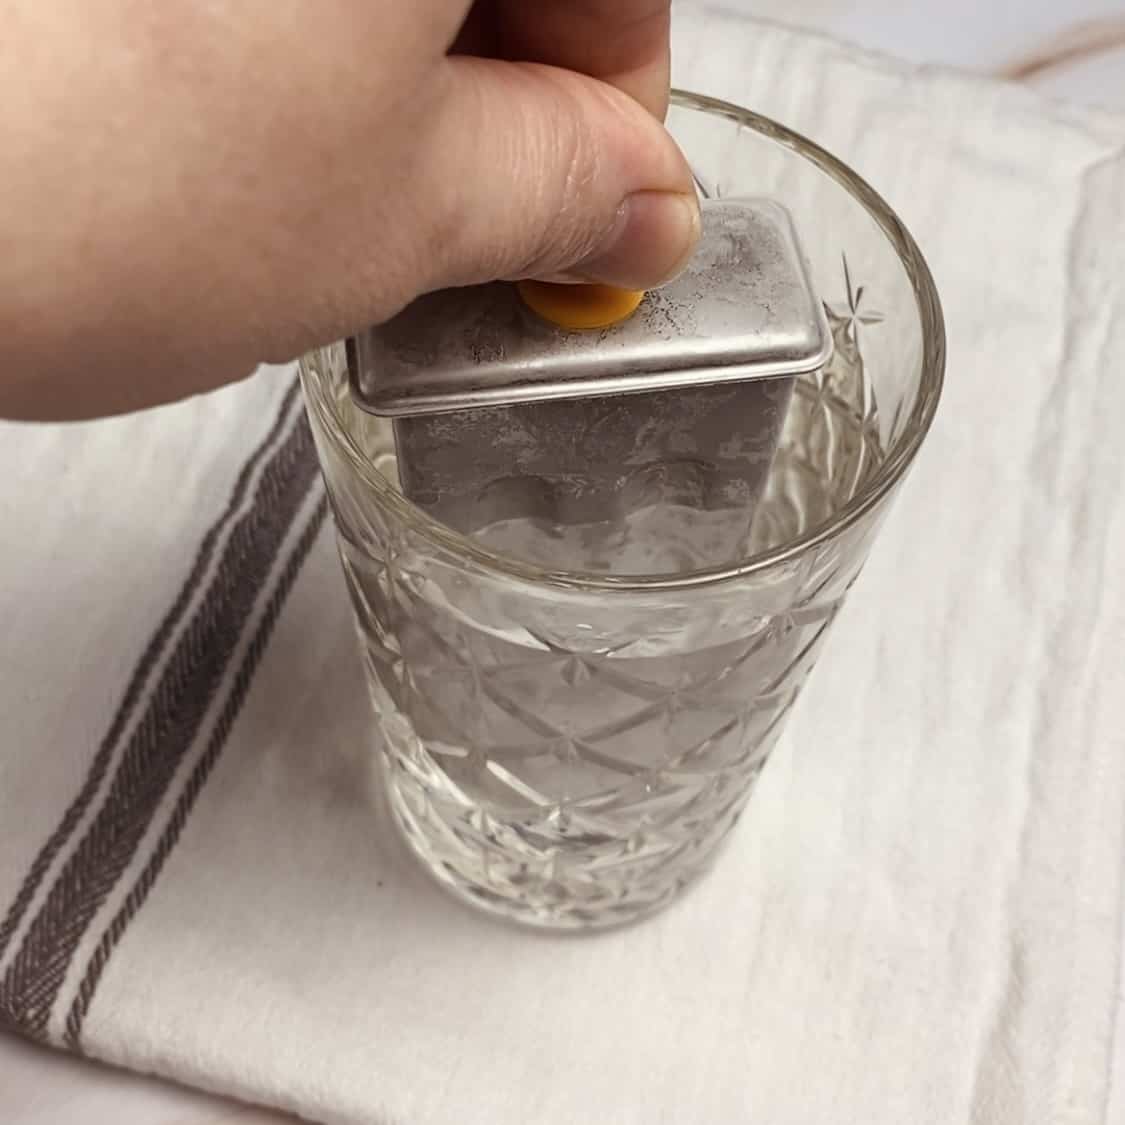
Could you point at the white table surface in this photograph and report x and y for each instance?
(39, 1087)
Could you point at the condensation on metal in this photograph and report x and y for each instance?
(500, 416)
(744, 308)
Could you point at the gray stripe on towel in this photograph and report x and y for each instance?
(171, 834)
(134, 692)
(163, 736)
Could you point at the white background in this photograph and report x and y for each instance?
(40, 1088)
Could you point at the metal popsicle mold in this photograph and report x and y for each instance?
(586, 461)
(744, 308)
(499, 415)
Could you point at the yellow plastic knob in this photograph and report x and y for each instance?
(579, 306)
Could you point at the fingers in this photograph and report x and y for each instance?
(622, 42)
(532, 171)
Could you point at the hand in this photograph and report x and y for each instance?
(192, 188)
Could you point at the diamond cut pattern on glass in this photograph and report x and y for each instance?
(579, 760)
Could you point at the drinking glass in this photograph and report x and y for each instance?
(569, 749)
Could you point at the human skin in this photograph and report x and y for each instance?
(191, 189)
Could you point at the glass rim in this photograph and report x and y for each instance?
(889, 472)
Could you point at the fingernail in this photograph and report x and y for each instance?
(652, 240)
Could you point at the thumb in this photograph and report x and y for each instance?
(534, 171)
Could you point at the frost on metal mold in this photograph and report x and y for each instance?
(562, 445)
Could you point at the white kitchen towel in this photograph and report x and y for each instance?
(917, 921)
